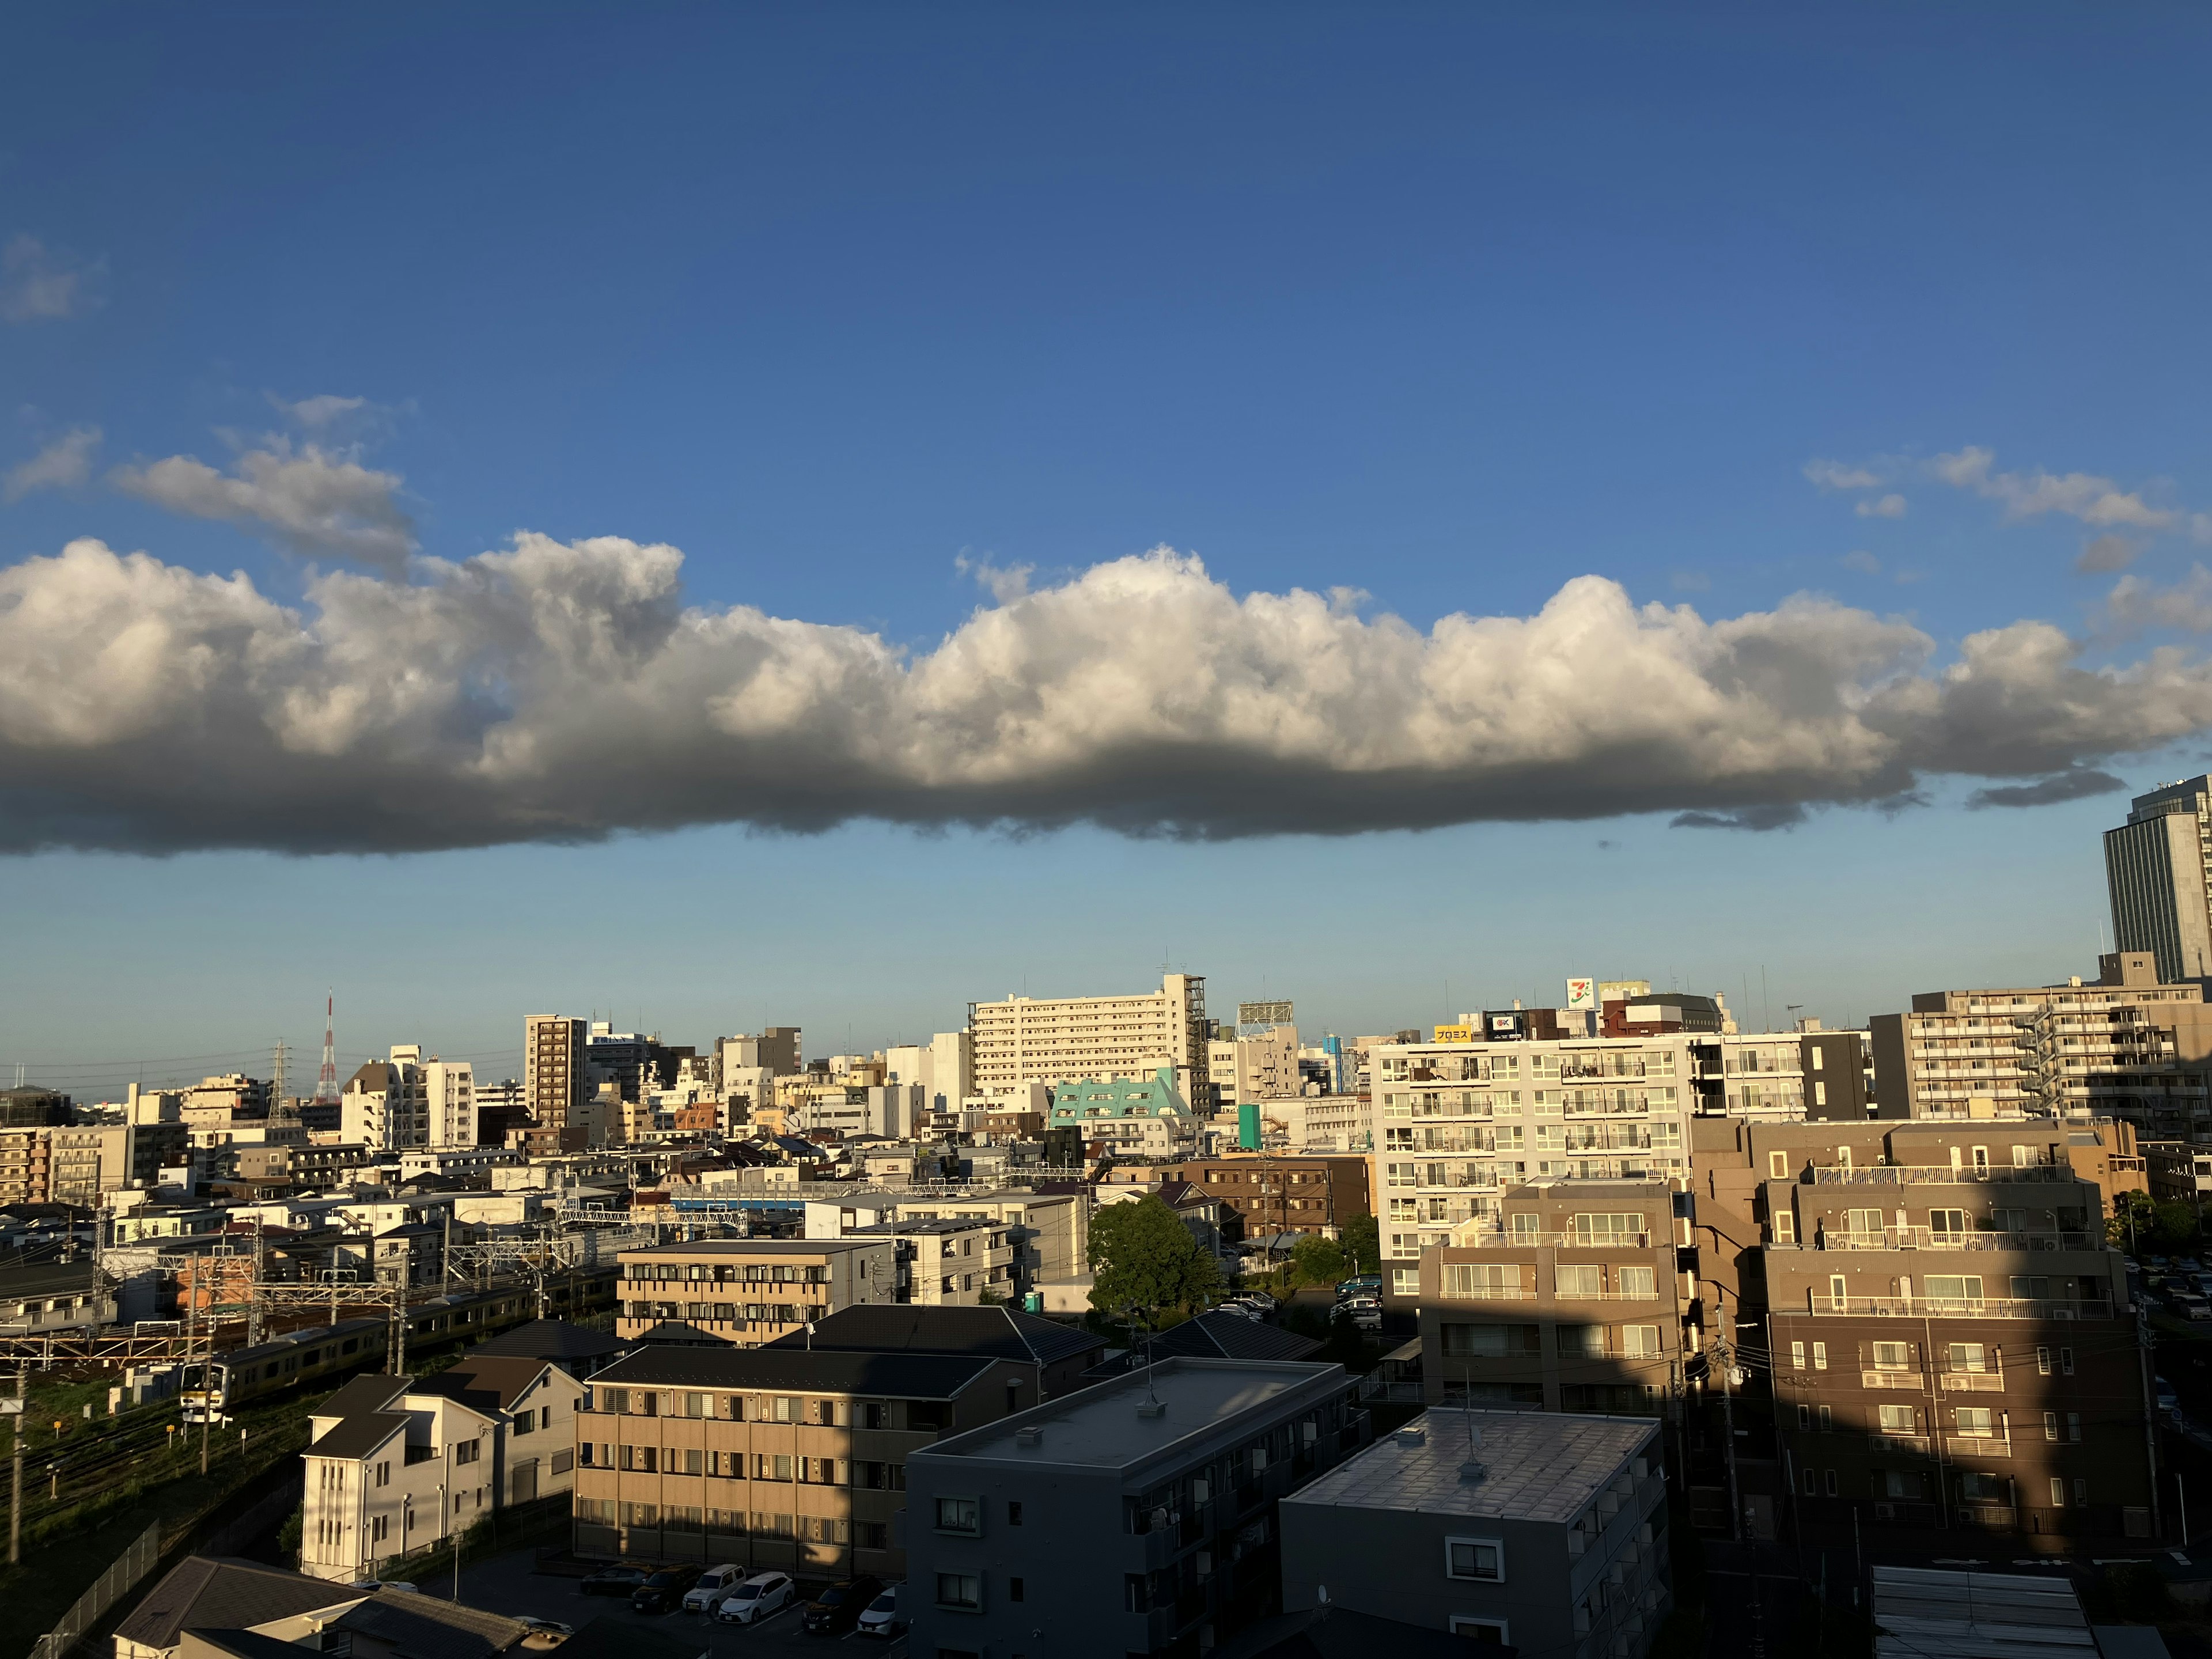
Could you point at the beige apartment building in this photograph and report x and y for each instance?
(1258, 1063)
(1050, 1040)
(2126, 1046)
(750, 1290)
(772, 1457)
(951, 1262)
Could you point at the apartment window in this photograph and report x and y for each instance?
(1483, 1632)
(1820, 1356)
(1639, 1341)
(1777, 1166)
(1579, 1281)
(2073, 1425)
(1828, 1419)
(1785, 1227)
(1804, 1420)
(1637, 1283)
(1891, 1356)
(961, 1591)
(1812, 1483)
(694, 1460)
(1013, 1515)
(1954, 1291)
(383, 1474)
(1977, 1422)
(2066, 1362)
(959, 1514)
(468, 1451)
(2082, 1490)
(1830, 1476)
(784, 1408)
(1895, 1419)
(1946, 1221)
(1968, 1357)
(1837, 1299)
(1014, 1589)
(1797, 1356)
(2051, 1426)
(2057, 1488)
(1482, 1560)
(2043, 1362)
(1404, 1281)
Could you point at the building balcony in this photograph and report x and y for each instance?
(1651, 1294)
(1931, 1307)
(1495, 1240)
(1936, 1175)
(1977, 1446)
(1890, 1380)
(1931, 1238)
(1899, 1442)
(1972, 1381)
(1488, 1293)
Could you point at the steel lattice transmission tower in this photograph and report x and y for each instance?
(326, 1087)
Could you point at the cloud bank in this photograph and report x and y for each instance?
(61, 465)
(564, 691)
(39, 284)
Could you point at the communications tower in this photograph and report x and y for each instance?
(326, 1087)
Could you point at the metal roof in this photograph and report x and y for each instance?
(1928, 1612)
(1541, 1465)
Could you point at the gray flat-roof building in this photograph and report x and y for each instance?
(1137, 1516)
(1540, 1530)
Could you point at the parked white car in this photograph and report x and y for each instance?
(882, 1617)
(714, 1586)
(759, 1596)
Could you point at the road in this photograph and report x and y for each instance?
(505, 1584)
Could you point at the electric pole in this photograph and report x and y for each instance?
(15, 1501)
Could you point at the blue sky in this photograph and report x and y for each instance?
(1445, 306)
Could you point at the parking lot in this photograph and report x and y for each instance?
(506, 1584)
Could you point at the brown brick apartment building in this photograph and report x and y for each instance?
(1260, 1193)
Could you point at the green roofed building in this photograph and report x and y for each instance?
(1145, 1116)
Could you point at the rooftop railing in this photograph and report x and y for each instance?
(1932, 1238)
(1959, 1307)
(1936, 1175)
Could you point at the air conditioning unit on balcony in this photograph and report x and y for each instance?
(1885, 1512)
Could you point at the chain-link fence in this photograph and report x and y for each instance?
(125, 1571)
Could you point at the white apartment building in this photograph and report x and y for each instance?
(383, 1107)
(1261, 1063)
(395, 1463)
(1321, 1123)
(1055, 1040)
(1461, 1121)
(944, 1067)
(449, 1096)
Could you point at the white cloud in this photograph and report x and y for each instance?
(557, 691)
(42, 284)
(1837, 474)
(61, 465)
(2083, 496)
(1862, 561)
(2135, 603)
(2107, 552)
(1889, 507)
(315, 501)
(317, 412)
(1005, 583)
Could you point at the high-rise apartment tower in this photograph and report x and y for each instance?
(2158, 869)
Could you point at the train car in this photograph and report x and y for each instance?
(328, 1352)
(212, 1388)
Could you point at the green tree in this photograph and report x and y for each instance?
(1361, 1238)
(1142, 1255)
(1315, 1261)
(2175, 1224)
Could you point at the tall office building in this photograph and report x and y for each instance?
(2156, 869)
(553, 1048)
(1125, 1039)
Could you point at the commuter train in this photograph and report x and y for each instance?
(241, 1375)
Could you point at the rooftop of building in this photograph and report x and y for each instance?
(899, 1376)
(997, 1331)
(742, 1247)
(1101, 1426)
(550, 1338)
(485, 1382)
(1218, 1336)
(924, 1227)
(218, 1592)
(1540, 1466)
(417, 1626)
